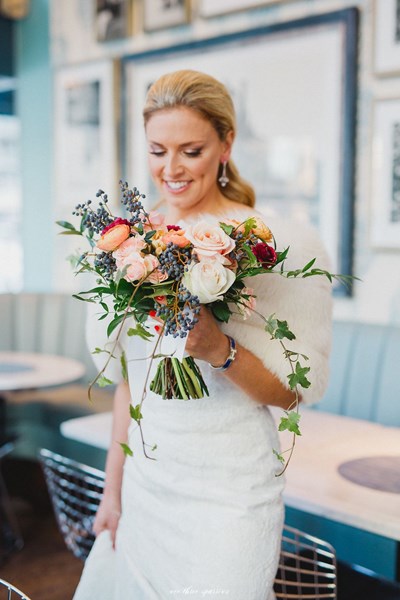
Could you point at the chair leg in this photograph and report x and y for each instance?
(10, 536)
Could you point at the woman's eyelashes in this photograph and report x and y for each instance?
(189, 153)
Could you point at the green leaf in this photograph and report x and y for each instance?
(66, 225)
(227, 228)
(126, 449)
(278, 456)
(103, 381)
(281, 256)
(105, 307)
(290, 422)
(154, 447)
(299, 377)
(221, 311)
(68, 232)
(250, 255)
(149, 235)
(282, 331)
(308, 265)
(135, 413)
(124, 366)
(84, 299)
(114, 323)
(271, 325)
(252, 271)
(99, 351)
(249, 225)
(140, 331)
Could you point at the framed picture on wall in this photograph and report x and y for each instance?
(385, 214)
(113, 19)
(295, 114)
(387, 37)
(212, 8)
(85, 144)
(160, 14)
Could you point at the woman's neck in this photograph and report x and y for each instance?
(221, 207)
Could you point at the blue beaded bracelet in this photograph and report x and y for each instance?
(231, 357)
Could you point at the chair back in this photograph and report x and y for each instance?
(75, 491)
(10, 592)
(307, 568)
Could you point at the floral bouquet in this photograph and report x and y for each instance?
(150, 269)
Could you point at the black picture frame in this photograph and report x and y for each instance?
(346, 21)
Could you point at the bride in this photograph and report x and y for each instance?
(205, 518)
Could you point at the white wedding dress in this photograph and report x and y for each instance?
(205, 518)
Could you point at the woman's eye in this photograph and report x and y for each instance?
(157, 152)
(193, 152)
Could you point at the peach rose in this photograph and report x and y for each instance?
(113, 235)
(176, 237)
(209, 239)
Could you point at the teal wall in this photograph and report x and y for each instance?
(34, 107)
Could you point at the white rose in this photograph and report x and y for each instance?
(208, 280)
(209, 239)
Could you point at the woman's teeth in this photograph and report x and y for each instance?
(176, 185)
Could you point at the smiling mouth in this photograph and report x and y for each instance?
(176, 186)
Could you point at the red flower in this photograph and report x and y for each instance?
(265, 254)
(118, 221)
(173, 227)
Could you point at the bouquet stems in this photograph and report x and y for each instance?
(178, 379)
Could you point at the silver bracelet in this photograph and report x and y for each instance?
(231, 357)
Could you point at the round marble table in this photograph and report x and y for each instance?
(23, 370)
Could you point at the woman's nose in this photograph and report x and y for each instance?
(172, 165)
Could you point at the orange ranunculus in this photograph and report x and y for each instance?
(262, 231)
(114, 236)
(176, 237)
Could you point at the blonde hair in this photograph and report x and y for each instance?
(210, 98)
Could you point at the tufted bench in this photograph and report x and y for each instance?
(364, 373)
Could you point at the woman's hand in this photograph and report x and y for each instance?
(108, 516)
(206, 341)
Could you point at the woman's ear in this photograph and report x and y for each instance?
(227, 146)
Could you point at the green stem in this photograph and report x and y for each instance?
(177, 372)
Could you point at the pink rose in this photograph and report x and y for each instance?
(114, 234)
(154, 221)
(248, 304)
(133, 244)
(209, 239)
(176, 237)
(152, 267)
(136, 267)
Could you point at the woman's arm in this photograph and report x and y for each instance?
(110, 507)
(207, 342)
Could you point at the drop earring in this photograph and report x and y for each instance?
(224, 179)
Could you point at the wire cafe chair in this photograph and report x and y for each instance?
(307, 568)
(75, 491)
(10, 592)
